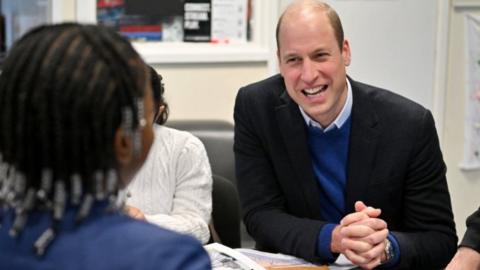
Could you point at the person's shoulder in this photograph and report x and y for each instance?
(148, 245)
(386, 101)
(271, 85)
(142, 234)
(166, 248)
(263, 95)
(180, 137)
(131, 230)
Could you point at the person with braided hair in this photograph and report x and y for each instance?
(76, 118)
(173, 189)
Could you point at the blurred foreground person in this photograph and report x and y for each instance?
(76, 120)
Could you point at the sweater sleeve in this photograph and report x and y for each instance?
(192, 198)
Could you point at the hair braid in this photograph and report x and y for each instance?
(63, 93)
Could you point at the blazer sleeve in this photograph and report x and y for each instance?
(471, 238)
(264, 204)
(427, 236)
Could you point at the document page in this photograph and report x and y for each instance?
(225, 258)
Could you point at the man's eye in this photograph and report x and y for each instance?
(321, 55)
(292, 60)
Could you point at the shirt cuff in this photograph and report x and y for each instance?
(324, 241)
(396, 252)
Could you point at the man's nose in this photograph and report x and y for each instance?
(309, 73)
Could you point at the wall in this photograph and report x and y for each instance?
(464, 185)
(207, 91)
(388, 50)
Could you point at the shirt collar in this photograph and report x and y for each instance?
(341, 117)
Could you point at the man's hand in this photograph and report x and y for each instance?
(465, 258)
(134, 212)
(361, 237)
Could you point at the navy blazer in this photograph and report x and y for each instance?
(394, 163)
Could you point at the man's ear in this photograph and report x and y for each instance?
(123, 146)
(346, 53)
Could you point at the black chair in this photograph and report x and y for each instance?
(217, 137)
(226, 212)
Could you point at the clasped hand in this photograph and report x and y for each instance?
(361, 237)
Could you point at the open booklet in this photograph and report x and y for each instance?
(225, 258)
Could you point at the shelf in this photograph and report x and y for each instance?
(182, 52)
(258, 50)
(465, 4)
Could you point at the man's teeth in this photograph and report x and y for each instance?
(314, 91)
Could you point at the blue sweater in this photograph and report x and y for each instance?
(329, 152)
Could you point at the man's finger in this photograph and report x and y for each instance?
(376, 237)
(355, 258)
(353, 217)
(376, 224)
(356, 231)
(357, 246)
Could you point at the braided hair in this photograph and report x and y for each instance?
(158, 88)
(64, 91)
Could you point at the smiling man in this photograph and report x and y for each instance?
(328, 165)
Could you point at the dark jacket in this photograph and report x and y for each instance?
(394, 163)
(471, 238)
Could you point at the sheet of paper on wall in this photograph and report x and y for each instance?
(471, 159)
(229, 21)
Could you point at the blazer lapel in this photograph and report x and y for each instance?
(293, 132)
(362, 150)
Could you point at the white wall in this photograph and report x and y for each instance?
(207, 91)
(464, 185)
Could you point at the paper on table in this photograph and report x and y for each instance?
(225, 258)
(281, 261)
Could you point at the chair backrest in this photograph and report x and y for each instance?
(226, 212)
(217, 137)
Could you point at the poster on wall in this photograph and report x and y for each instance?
(471, 158)
(197, 20)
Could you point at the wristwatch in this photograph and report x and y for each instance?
(388, 251)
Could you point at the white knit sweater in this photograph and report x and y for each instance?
(174, 187)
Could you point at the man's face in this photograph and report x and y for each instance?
(313, 65)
